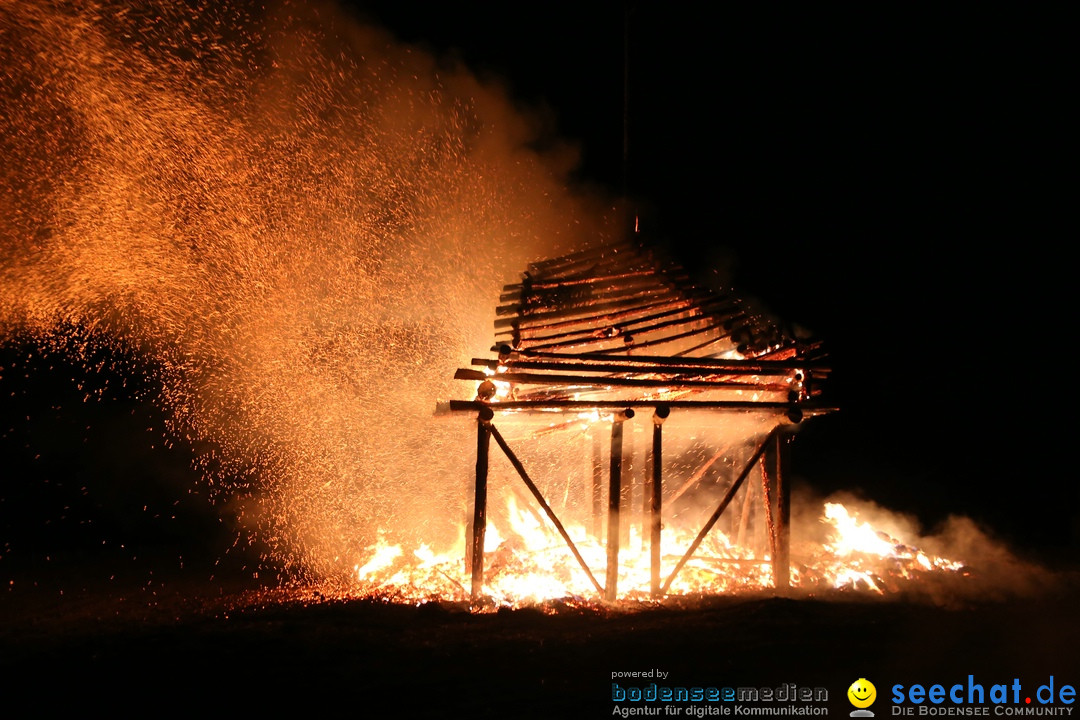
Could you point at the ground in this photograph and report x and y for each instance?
(227, 650)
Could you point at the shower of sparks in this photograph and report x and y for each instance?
(298, 223)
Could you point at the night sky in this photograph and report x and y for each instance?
(893, 179)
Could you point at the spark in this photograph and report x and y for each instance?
(296, 226)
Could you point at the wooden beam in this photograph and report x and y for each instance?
(611, 584)
(740, 405)
(611, 381)
(674, 371)
(656, 495)
(668, 361)
(479, 523)
(782, 557)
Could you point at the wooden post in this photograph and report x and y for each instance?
(768, 503)
(597, 487)
(656, 493)
(629, 487)
(644, 483)
(479, 523)
(611, 584)
(782, 560)
(742, 539)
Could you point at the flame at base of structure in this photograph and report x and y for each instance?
(530, 565)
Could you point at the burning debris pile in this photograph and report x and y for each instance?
(869, 558)
(645, 422)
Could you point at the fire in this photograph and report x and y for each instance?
(529, 564)
(853, 536)
(870, 558)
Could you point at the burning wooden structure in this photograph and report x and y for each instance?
(620, 332)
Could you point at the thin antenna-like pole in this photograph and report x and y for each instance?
(631, 223)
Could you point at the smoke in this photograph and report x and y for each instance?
(301, 226)
(997, 572)
(975, 565)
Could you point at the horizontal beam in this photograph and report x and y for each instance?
(609, 381)
(743, 405)
(584, 365)
(668, 361)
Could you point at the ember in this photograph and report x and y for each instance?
(256, 208)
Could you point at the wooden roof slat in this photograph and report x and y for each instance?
(612, 381)
(664, 360)
(582, 313)
(585, 366)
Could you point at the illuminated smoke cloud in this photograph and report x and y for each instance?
(299, 223)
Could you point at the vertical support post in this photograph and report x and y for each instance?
(768, 501)
(656, 488)
(597, 488)
(643, 515)
(782, 561)
(611, 581)
(479, 523)
(469, 510)
(629, 488)
(742, 538)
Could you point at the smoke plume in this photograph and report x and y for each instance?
(298, 224)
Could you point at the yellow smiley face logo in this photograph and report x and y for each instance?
(862, 693)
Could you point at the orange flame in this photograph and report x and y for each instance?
(527, 563)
